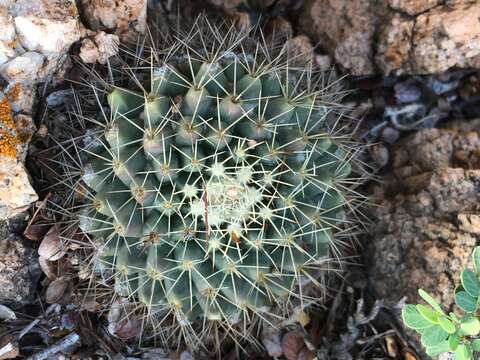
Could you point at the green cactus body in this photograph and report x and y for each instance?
(215, 190)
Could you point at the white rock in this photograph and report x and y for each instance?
(6, 52)
(46, 27)
(89, 52)
(7, 31)
(46, 36)
(123, 17)
(24, 98)
(16, 193)
(25, 130)
(23, 68)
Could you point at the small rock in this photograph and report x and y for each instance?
(413, 7)
(299, 49)
(323, 62)
(46, 27)
(326, 22)
(21, 96)
(380, 154)
(100, 49)
(57, 99)
(24, 68)
(89, 52)
(406, 93)
(279, 27)
(19, 269)
(25, 129)
(16, 193)
(405, 117)
(124, 18)
(6, 313)
(390, 135)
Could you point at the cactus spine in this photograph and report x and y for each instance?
(215, 183)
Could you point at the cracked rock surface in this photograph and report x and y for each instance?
(396, 37)
(19, 268)
(428, 221)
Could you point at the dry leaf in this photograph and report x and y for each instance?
(123, 323)
(90, 305)
(51, 247)
(409, 356)
(9, 351)
(36, 232)
(8, 348)
(292, 344)
(56, 289)
(392, 348)
(49, 268)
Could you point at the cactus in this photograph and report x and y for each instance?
(215, 181)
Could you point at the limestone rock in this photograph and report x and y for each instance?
(19, 269)
(443, 37)
(16, 193)
(427, 222)
(346, 29)
(123, 17)
(33, 45)
(100, 48)
(394, 48)
(447, 36)
(413, 7)
(46, 26)
(396, 36)
(25, 68)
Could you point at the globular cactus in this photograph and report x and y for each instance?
(216, 183)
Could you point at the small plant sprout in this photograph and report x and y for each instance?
(442, 333)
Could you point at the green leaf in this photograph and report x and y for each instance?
(465, 301)
(430, 300)
(476, 259)
(412, 318)
(447, 325)
(470, 325)
(425, 330)
(438, 349)
(463, 352)
(434, 336)
(470, 282)
(454, 317)
(428, 313)
(453, 342)
(476, 345)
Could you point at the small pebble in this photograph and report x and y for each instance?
(406, 93)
